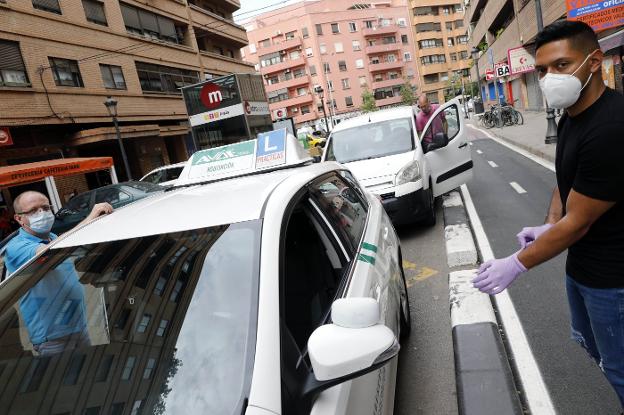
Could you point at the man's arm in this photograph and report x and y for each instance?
(555, 210)
(581, 213)
(99, 209)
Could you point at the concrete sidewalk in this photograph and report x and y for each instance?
(529, 136)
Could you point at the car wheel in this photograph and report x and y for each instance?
(406, 318)
(430, 213)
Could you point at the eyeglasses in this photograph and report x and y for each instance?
(44, 208)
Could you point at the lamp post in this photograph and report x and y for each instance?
(319, 91)
(111, 106)
(551, 124)
(475, 57)
(463, 93)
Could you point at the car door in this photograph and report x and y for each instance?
(451, 165)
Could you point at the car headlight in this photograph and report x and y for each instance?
(409, 173)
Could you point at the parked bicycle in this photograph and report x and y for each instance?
(500, 116)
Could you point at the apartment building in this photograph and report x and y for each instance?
(342, 46)
(495, 27)
(60, 59)
(442, 48)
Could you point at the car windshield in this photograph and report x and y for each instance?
(162, 324)
(371, 140)
(142, 186)
(163, 175)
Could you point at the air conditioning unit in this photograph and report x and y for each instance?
(299, 48)
(287, 71)
(266, 76)
(282, 52)
(295, 110)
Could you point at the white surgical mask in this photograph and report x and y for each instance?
(563, 90)
(41, 222)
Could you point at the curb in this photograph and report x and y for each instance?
(483, 376)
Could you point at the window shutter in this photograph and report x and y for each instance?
(167, 28)
(130, 17)
(10, 56)
(148, 21)
(94, 10)
(52, 5)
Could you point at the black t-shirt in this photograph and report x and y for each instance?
(590, 160)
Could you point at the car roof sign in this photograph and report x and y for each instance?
(269, 151)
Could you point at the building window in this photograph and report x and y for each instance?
(73, 369)
(277, 96)
(385, 22)
(158, 78)
(335, 28)
(319, 29)
(388, 40)
(446, 10)
(352, 27)
(363, 81)
(12, 69)
(265, 43)
(301, 91)
(175, 293)
(349, 101)
(369, 24)
(94, 11)
(453, 56)
(129, 366)
(431, 79)
(252, 48)
(432, 97)
(401, 22)
(462, 40)
(458, 24)
(305, 110)
(104, 368)
(404, 39)
(463, 55)
(136, 408)
(444, 76)
(342, 66)
(290, 35)
(359, 63)
(330, 84)
(304, 32)
(93, 410)
(294, 55)
(428, 27)
(270, 59)
(430, 43)
(458, 8)
(112, 76)
(149, 368)
(117, 408)
(47, 5)
(345, 83)
(162, 327)
(142, 327)
(273, 80)
(326, 67)
(309, 52)
(449, 25)
(426, 11)
(149, 24)
(312, 70)
(338, 47)
(432, 59)
(323, 48)
(160, 286)
(356, 45)
(450, 42)
(65, 72)
(299, 72)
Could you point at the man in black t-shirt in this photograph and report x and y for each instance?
(586, 214)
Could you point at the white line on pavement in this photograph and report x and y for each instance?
(537, 396)
(479, 152)
(517, 187)
(545, 163)
(491, 163)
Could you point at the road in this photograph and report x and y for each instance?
(510, 192)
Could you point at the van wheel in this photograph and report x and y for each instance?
(430, 213)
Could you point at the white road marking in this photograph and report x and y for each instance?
(479, 152)
(542, 162)
(517, 187)
(536, 393)
(491, 163)
(470, 143)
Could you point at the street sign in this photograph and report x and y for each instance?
(489, 74)
(256, 108)
(211, 96)
(280, 113)
(271, 150)
(501, 70)
(520, 61)
(5, 137)
(600, 15)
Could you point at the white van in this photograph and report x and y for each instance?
(405, 169)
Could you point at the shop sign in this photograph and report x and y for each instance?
(256, 108)
(211, 96)
(5, 137)
(489, 74)
(271, 150)
(501, 70)
(279, 113)
(223, 160)
(520, 61)
(216, 115)
(599, 14)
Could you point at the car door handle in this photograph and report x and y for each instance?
(463, 145)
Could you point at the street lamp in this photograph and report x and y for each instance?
(320, 92)
(111, 106)
(551, 124)
(475, 57)
(463, 92)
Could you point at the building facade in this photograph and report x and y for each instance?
(442, 48)
(60, 59)
(343, 47)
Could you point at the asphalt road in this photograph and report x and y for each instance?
(575, 383)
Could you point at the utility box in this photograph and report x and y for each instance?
(227, 110)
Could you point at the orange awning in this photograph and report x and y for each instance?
(32, 172)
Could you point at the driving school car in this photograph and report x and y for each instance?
(261, 284)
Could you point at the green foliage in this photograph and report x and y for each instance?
(368, 101)
(408, 96)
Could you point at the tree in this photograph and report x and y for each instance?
(407, 94)
(368, 101)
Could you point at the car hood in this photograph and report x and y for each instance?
(379, 173)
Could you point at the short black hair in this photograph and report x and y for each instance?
(582, 37)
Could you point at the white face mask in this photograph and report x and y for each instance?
(41, 222)
(563, 90)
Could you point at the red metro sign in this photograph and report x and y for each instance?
(5, 137)
(211, 96)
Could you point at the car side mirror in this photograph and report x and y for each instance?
(353, 345)
(316, 159)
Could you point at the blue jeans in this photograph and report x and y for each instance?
(597, 320)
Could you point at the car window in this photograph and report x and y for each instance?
(169, 317)
(173, 173)
(344, 208)
(447, 121)
(142, 186)
(80, 202)
(155, 177)
(112, 195)
(371, 140)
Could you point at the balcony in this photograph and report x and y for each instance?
(434, 68)
(387, 83)
(286, 64)
(432, 34)
(306, 117)
(284, 45)
(388, 101)
(385, 66)
(294, 101)
(380, 30)
(434, 86)
(390, 47)
(225, 28)
(214, 62)
(291, 83)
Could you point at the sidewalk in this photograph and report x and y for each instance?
(529, 136)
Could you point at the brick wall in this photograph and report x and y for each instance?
(66, 185)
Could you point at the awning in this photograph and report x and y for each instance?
(612, 41)
(33, 172)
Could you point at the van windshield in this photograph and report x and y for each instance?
(371, 140)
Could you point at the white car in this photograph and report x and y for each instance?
(238, 291)
(165, 175)
(406, 170)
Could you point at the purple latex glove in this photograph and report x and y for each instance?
(530, 234)
(495, 275)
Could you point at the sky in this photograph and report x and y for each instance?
(249, 7)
